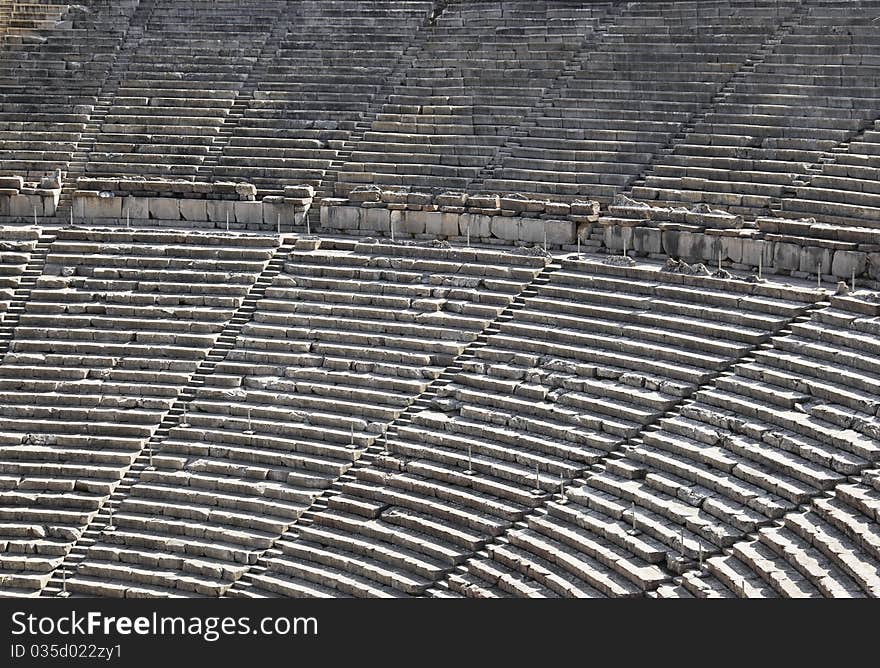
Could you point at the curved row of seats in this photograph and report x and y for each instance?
(50, 80)
(16, 246)
(592, 357)
(769, 448)
(346, 337)
(324, 75)
(480, 69)
(179, 84)
(637, 86)
(813, 92)
(112, 331)
(830, 548)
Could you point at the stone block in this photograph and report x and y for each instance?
(163, 208)
(219, 209)
(340, 217)
(814, 258)
(376, 219)
(480, 226)
(135, 208)
(845, 263)
(194, 209)
(443, 224)
(786, 257)
(248, 213)
(647, 240)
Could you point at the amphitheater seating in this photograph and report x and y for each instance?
(344, 340)
(112, 332)
(814, 91)
(480, 69)
(324, 75)
(16, 245)
(636, 87)
(180, 84)
(50, 79)
(828, 549)
(845, 191)
(598, 353)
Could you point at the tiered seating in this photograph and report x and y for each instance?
(180, 84)
(323, 77)
(342, 342)
(817, 88)
(847, 191)
(16, 245)
(830, 549)
(638, 85)
(595, 355)
(49, 84)
(483, 66)
(113, 330)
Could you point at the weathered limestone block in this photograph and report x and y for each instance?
(451, 199)
(787, 256)
(11, 183)
(163, 208)
(135, 208)
(194, 209)
(340, 217)
(248, 212)
(301, 191)
(813, 259)
(689, 245)
(219, 210)
(475, 224)
(647, 239)
(247, 192)
(443, 224)
(365, 194)
(23, 206)
(556, 232)
(845, 264)
(375, 219)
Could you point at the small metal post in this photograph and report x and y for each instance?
(249, 429)
(562, 497)
(623, 236)
(761, 263)
(537, 480)
(71, 213)
(545, 235)
(853, 282)
(279, 225)
(819, 276)
(719, 258)
(308, 225)
(183, 422)
(227, 220)
(35, 216)
(470, 468)
(128, 216)
(701, 556)
(469, 232)
(150, 456)
(633, 516)
(351, 436)
(110, 526)
(64, 591)
(682, 541)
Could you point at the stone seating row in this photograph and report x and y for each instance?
(112, 331)
(440, 127)
(49, 86)
(780, 117)
(323, 76)
(529, 411)
(343, 341)
(634, 89)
